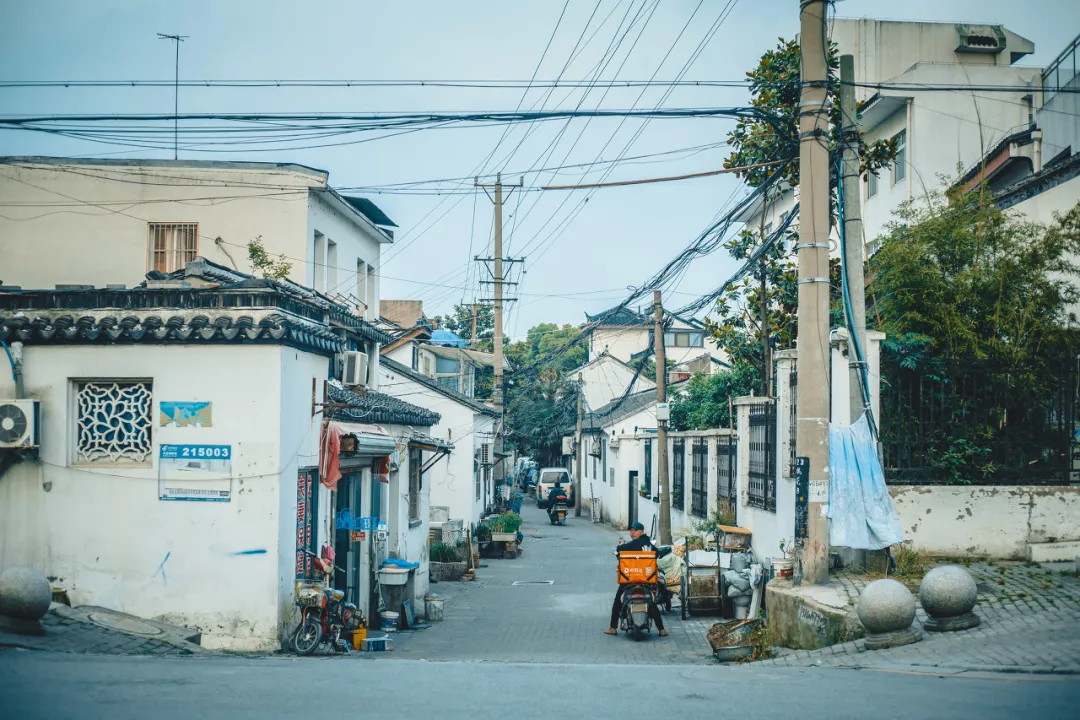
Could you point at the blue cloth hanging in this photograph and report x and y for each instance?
(861, 513)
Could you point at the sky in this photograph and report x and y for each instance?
(582, 249)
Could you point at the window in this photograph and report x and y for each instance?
(172, 245)
(450, 383)
(648, 468)
(361, 284)
(899, 168)
(416, 465)
(113, 422)
(678, 472)
(319, 266)
(684, 339)
(331, 267)
(446, 365)
(697, 340)
(871, 185)
(476, 476)
(669, 339)
(415, 357)
(699, 488)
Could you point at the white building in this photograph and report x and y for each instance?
(606, 377)
(105, 222)
(940, 133)
(464, 487)
(204, 386)
(624, 334)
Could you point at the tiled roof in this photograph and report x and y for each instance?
(621, 407)
(424, 380)
(371, 406)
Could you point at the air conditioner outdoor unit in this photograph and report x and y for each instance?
(19, 424)
(356, 368)
(485, 453)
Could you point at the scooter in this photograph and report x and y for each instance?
(558, 511)
(324, 615)
(639, 578)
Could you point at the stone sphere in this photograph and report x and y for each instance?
(25, 594)
(886, 606)
(948, 591)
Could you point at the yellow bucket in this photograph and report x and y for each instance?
(358, 637)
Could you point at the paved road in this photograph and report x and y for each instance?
(58, 686)
(492, 619)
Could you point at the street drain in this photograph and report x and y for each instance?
(534, 582)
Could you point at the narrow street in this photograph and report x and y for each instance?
(550, 605)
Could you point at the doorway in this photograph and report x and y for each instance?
(632, 498)
(347, 553)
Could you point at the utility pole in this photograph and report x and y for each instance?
(661, 425)
(812, 436)
(578, 442)
(853, 243)
(473, 336)
(766, 360)
(498, 281)
(176, 91)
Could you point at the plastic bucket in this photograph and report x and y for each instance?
(389, 621)
(433, 607)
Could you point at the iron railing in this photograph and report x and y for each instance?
(699, 473)
(762, 485)
(793, 422)
(678, 473)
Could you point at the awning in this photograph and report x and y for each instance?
(433, 445)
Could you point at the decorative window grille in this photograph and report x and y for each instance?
(172, 245)
(114, 421)
(678, 474)
(699, 468)
(416, 462)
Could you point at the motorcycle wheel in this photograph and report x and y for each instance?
(308, 636)
(637, 633)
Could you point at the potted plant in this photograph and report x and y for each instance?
(643, 491)
(785, 564)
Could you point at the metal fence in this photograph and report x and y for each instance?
(678, 472)
(970, 424)
(699, 473)
(762, 486)
(793, 422)
(726, 466)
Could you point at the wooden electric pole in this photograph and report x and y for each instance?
(579, 444)
(661, 425)
(853, 242)
(812, 435)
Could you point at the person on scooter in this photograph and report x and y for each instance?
(638, 541)
(553, 494)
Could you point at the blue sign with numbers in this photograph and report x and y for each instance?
(200, 452)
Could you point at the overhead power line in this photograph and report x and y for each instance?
(664, 179)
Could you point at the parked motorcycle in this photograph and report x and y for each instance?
(558, 511)
(639, 578)
(325, 616)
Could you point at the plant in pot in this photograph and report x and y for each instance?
(785, 564)
(643, 491)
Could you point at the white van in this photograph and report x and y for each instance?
(546, 481)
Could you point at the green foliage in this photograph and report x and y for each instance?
(975, 305)
(544, 340)
(721, 516)
(704, 403)
(509, 522)
(775, 90)
(459, 322)
(441, 552)
(262, 262)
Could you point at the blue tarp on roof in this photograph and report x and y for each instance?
(447, 339)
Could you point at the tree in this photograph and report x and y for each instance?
(759, 314)
(549, 340)
(980, 338)
(261, 261)
(705, 402)
(460, 321)
(540, 413)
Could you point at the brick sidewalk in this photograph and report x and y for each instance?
(1030, 623)
(73, 630)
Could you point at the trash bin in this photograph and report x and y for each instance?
(433, 607)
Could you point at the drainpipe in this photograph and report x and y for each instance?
(1036, 138)
(908, 155)
(14, 355)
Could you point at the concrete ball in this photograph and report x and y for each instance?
(948, 591)
(25, 593)
(886, 606)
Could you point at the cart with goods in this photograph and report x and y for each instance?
(703, 587)
(505, 535)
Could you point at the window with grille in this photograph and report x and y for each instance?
(113, 421)
(476, 478)
(648, 468)
(416, 465)
(678, 473)
(899, 168)
(172, 245)
(725, 467)
(762, 479)
(699, 487)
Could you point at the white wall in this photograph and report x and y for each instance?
(606, 378)
(621, 342)
(95, 245)
(999, 522)
(409, 539)
(451, 483)
(105, 536)
(1058, 199)
(327, 215)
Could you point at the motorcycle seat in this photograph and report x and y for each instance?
(336, 595)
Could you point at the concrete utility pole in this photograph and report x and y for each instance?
(498, 281)
(812, 437)
(661, 425)
(578, 444)
(853, 241)
(472, 337)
